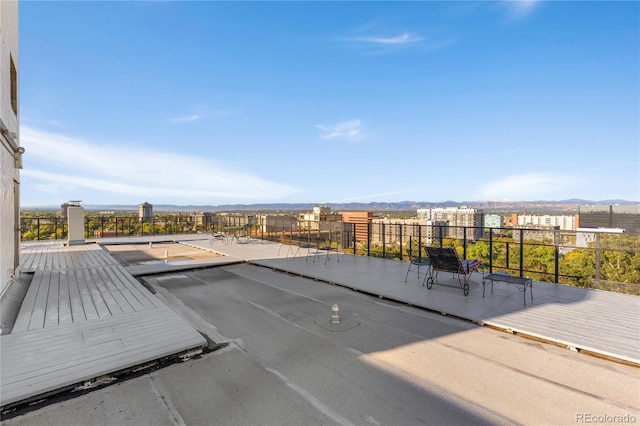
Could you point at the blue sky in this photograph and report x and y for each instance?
(272, 102)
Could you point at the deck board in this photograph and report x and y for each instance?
(88, 304)
(105, 292)
(52, 313)
(98, 300)
(40, 303)
(64, 300)
(83, 316)
(24, 314)
(77, 310)
(136, 339)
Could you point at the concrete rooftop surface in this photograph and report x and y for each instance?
(243, 332)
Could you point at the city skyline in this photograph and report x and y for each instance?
(212, 103)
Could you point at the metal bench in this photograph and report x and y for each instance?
(509, 279)
(446, 259)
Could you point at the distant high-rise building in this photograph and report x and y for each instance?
(625, 217)
(564, 222)
(458, 219)
(389, 231)
(201, 218)
(63, 211)
(493, 221)
(423, 214)
(145, 213)
(361, 222)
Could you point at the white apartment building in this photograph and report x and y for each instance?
(456, 218)
(395, 230)
(10, 150)
(402, 230)
(566, 222)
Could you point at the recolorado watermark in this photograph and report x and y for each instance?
(605, 418)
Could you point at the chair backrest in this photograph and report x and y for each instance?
(445, 258)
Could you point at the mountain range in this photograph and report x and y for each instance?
(570, 205)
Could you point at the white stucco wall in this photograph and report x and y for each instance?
(9, 175)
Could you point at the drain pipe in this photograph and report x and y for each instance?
(335, 316)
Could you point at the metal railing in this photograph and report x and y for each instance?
(605, 262)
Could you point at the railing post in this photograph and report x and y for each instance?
(353, 237)
(410, 248)
(507, 254)
(419, 243)
(491, 250)
(400, 238)
(597, 260)
(556, 257)
(521, 253)
(464, 242)
(369, 238)
(384, 241)
(38, 224)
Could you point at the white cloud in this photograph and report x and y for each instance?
(187, 119)
(54, 123)
(345, 130)
(526, 187)
(519, 9)
(405, 38)
(62, 164)
(375, 44)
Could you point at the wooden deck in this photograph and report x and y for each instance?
(600, 322)
(83, 316)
